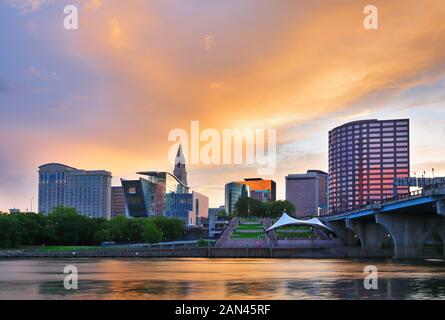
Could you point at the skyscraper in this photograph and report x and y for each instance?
(308, 192)
(234, 191)
(364, 159)
(163, 194)
(89, 192)
(179, 170)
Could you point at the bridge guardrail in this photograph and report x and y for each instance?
(412, 195)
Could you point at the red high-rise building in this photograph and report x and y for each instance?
(364, 159)
(117, 202)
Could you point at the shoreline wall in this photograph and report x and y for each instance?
(316, 253)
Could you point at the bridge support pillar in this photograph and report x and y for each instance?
(343, 233)
(440, 206)
(409, 231)
(373, 237)
(339, 228)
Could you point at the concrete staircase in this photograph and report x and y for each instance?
(227, 232)
(267, 223)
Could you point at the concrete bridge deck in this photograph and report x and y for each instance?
(409, 224)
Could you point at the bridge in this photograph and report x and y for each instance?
(412, 225)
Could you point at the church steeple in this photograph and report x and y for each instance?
(179, 170)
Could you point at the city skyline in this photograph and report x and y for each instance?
(107, 95)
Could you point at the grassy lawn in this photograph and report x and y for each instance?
(255, 227)
(247, 235)
(250, 227)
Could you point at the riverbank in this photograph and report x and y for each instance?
(203, 252)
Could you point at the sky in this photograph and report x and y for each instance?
(106, 96)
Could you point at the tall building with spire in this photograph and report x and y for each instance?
(179, 170)
(165, 194)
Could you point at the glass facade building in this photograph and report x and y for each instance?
(89, 192)
(233, 191)
(364, 159)
(163, 194)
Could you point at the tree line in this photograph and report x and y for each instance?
(249, 207)
(65, 226)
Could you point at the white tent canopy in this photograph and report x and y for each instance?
(286, 220)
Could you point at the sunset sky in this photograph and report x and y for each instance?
(107, 95)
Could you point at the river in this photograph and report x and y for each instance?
(221, 279)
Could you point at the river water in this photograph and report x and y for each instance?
(221, 279)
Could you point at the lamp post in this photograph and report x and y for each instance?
(32, 198)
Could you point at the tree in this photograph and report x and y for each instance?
(135, 227)
(64, 226)
(246, 206)
(276, 209)
(221, 214)
(257, 208)
(102, 235)
(30, 227)
(118, 229)
(9, 235)
(242, 207)
(171, 229)
(70, 228)
(151, 233)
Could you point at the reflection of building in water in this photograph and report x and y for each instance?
(259, 289)
(354, 289)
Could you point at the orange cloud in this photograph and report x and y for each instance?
(280, 69)
(283, 66)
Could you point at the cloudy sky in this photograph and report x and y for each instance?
(106, 95)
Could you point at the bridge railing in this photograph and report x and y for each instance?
(370, 205)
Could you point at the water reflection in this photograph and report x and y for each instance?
(221, 279)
